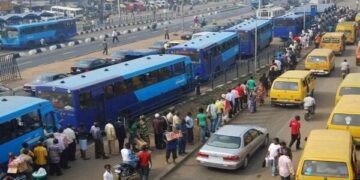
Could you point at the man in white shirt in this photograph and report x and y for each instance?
(108, 175)
(114, 36)
(278, 64)
(309, 103)
(190, 125)
(128, 156)
(110, 136)
(169, 118)
(211, 110)
(286, 169)
(345, 67)
(71, 137)
(273, 153)
(230, 97)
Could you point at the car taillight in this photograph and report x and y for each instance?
(231, 158)
(202, 154)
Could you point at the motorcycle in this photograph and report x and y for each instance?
(309, 112)
(125, 171)
(344, 73)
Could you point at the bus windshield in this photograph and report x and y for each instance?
(12, 33)
(60, 101)
(284, 22)
(193, 55)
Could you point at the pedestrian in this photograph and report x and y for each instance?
(158, 125)
(211, 111)
(295, 132)
(71, 138)
(129, 157)
(144, 162)
(190, 128)
(236, 100)
(265, 82)
(108, 175)
(82, 135)
(105, 47)
(252, 102)
(231, 99)
(115, 36)
(25, 146)
(63, 143)
(201, 122)
(49, 141)
(273, 154)
(317, 40)
(240, 92)
(98, 140)
(182, 139)
(120, 132)
(220, 106)
(55, 152)
(110, 136)
(282, 149)
(176, 120)
(171, 146)
(260, 94)
(272, 75)
(144, 130)
(40, 154)
(244, 97)
(227, 106)
(169, 118)
(167, 33)
(133, 132)
(251, 84)
(286, 170)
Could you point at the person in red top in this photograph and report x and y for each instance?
(144, 162)
(241, 93)
(295, 132)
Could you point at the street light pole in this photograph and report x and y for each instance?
(119, 9)
(256, 41)
(182, 15)
(304, 16)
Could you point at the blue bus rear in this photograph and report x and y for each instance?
(130, 88)
(23, 119)
(293, 23)
(210, 54)
(29, 35)
(246, 31)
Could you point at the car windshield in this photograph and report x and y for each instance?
(289, 86)
(222, 141)
(317, 59)
(12, 32)
(41, 78)
(83, 63)
(349, 90)
(346, 119)
(325, 169)
(62, 101)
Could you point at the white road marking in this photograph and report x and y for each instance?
(69, 52)
(26, 62)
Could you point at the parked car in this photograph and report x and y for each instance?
(41, 79)
(232, 146)
(159, 45)
(211, 28)
(127, 55)
(186, 35)
(6, 91)
(172, 43)
(88, 65)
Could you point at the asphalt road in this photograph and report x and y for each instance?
(276, 120)
(86, 48)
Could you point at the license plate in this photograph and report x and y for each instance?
(217, 158)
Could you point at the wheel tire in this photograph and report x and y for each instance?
(307, 116)
(246, 162)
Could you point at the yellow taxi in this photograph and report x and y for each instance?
(320, 61)
(349, 28)
(334, 41)
(350, 85)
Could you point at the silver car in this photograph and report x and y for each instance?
(232, 145)
(42, 79)
(6, 91)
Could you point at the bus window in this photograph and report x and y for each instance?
(137, 82)
(49, 121)
(120, 88)
(109, 91)
(59, 100)
(164, 73)
(179, 68)
(86, 100)
(12, 33)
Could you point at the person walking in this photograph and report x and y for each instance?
(82, 135)
(182, 139)
(108, 175)
(211, 111)
(71, 137)
(220, 106)
(189, 121)
(231, 99)
(244, 97)
(171, 146)
(158, 126)
(105, 47)
(176, 120)
(201, 122)
(28, 159)
(295, 132)
(169, 118)
(251, 84)
(114, 35)
(64, 145)
(99, 143)
(240, 92)
(40, 154)
(144, 130)
(133, 133)
(273, 154)
(144, 162)
(282, 149)
(260, 91)
(55, 152)
(167, 37)
(265, 82)
(252, 101)
(120, 132)
(286, 170)
(110, 137)
(236, 100)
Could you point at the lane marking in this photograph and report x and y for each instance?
(69, 52)
(26, 62)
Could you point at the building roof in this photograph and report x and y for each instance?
(249, 25)
(11, 104)
(122, 70)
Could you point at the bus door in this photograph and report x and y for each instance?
(91, 108)
(49, 119)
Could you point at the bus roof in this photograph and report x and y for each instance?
(289, 16)
(351, 79)
(296, 74)
(40, 23)
(249, 25)
(122, 71)
(66, 8)
(325, 144)
(320, 51)
(206, 41)
(348, 104)
(12, 104)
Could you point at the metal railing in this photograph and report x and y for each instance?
(9, 69)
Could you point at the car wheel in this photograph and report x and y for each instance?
(246, 162)
(266, 141)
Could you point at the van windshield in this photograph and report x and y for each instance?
(330, 40)
(289, 86)
(325, 169)
(346, 119)
(349, 90)
(60, 101)
(317, 59)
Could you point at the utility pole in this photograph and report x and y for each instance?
(119, 8)
(182, 15)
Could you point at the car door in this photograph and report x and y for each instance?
(248, 145)
(257, 139)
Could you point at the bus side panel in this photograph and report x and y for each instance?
(228, 57)
(124, 103)
(265, 38)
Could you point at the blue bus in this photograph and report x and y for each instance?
(211, 53)
(293, 23)
(129, 88)
(29, 35)
(23, 119)
(246, 31)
